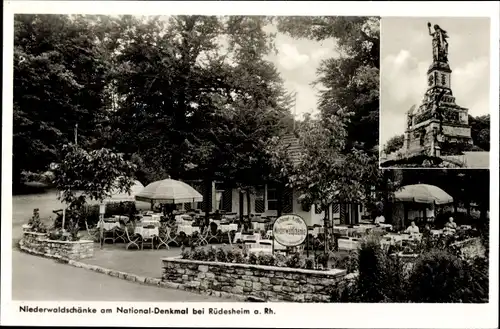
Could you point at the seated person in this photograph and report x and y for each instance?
(412, 229)
(450, 226)
(380, 219)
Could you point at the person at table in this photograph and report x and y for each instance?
(380, 219)
(450, 226)
(412, 229)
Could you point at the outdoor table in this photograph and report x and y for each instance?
(317, 230)
(148, 221)
(218, 222)
(348, 244)
(341, 230)
(108, 226)
(436, 232)
(389, 226)
(259, 226)
(147, 233)
(245, 237)
(118, 217)
(188, 229)
(228, 227)
(277, 246)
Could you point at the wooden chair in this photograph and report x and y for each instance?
(133, 239)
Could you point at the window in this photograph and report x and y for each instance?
(272, 198)
(259, 200)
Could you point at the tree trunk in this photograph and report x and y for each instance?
(208, 202)
(241, 206)
(249, 208)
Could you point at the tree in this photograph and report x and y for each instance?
(349, 83)
(82, 175)
(394, 144)
(480, 131)
(60, 79)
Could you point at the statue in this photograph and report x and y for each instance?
(439, 43)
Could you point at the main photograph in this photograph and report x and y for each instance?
(224, 158)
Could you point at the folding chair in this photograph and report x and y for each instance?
(133, 240)
(94, 233)
(172, 234)
(120, 233)
(108, 235)
(202, 238)
(150, 240)
(213, 233)
(163, 236)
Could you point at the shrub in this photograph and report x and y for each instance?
(253, 259)
(221, 255)
(348, 262)
(381, 277)
(266, 259)
(309, 263)
(211, 254)
(36, 224)
(199, 254)
(441, 277)
(295, 261)
(238, 257)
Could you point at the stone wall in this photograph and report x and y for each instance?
(39, 242)
(266, 283)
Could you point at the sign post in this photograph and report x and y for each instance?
(102, 210)
(289, 231)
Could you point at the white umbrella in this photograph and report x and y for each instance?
(120, 196)
(423, 193)
(169, 191)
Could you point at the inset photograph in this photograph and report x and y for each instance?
(435, 93)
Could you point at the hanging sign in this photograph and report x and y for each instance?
(290, 230)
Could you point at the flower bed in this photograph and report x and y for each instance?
(40, 243)
(269, 283)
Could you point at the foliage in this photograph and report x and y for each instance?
(350, 82)
(60, 78)
(440, 277)
(480, 131)
(394, 144)
(35, 223)
(92, 174)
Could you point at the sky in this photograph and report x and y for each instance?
(297, 61)
(406, 53)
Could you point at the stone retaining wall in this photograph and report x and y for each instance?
(267, 283)
(39, 242)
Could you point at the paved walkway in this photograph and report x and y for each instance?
(42, 279)
(145, 262)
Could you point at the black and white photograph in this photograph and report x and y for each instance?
(435, 93)
(229, 168)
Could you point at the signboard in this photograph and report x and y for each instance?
(102, 209)
(290, 230)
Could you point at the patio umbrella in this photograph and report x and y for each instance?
(119, 196)
(169, 191)
(423, 193)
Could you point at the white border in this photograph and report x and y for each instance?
(287, 315)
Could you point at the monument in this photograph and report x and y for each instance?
(438, 126)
